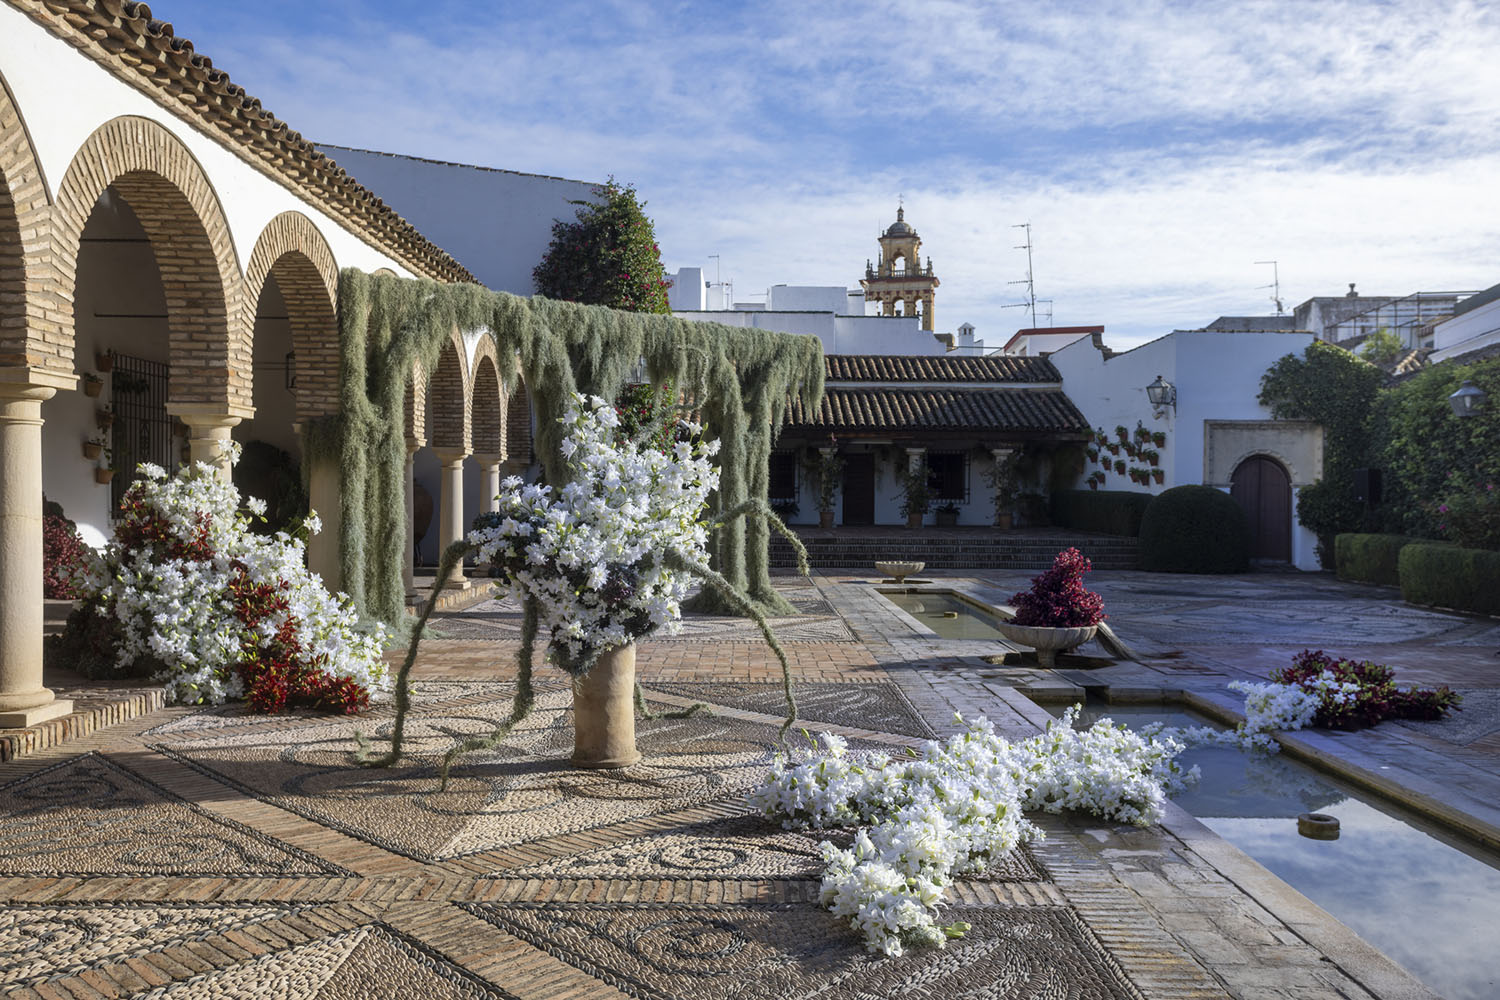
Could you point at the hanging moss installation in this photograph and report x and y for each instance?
(740, 380)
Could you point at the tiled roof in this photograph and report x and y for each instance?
(124, 37)
(989, 410)
(938, 368)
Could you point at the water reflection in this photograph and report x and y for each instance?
(1428, 901)
(945, 613)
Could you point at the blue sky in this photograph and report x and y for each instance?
(1158, 149)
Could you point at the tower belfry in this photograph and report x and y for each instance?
(899, 276)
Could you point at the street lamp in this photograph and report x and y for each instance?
(1469, 400)
(1162, 394)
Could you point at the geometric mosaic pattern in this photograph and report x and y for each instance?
(45, 942)
(90, 816)
(879, 706)
(366, 962)
(523, 791)
(776, 952)
(740, 847)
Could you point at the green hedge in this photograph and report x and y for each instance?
(1446, 576)
(1195, 529)
(1369, 558)
(1110, 512)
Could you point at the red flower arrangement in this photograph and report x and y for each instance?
(63, 558)
(1057, 598)
(1378, 696)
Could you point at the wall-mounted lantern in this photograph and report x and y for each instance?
(1162, 394)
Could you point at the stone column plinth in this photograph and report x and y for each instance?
(490, 464)
(23, 700)
(324, 493)
(451, 508)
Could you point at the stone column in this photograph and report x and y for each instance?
(23, 699)
(490, 464)
(208, 438)
(409, 533)
(1004, 480)
(928, 320)
(451, 507)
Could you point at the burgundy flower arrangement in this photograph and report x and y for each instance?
(1057, 598)
(1378, 696)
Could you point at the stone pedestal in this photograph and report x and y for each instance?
(604, 712)
(451, 522)
(23, 700)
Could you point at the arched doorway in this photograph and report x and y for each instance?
(1264, 491)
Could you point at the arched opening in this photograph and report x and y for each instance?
(898, 264)
(122, 349)
(270, 464)
(487, 411)
(1263, 489)
(447, 424)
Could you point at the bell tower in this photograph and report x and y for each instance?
(899, 276)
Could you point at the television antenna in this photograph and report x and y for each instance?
(1275, 285)
(723, 286)
(1030, 302)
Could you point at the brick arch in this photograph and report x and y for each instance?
(171, 195)
(292, 249)
(30, 334)
(518, 425)
(448, 400)
(487, 405)
(415, 403)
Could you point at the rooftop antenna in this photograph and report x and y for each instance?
(1030, 302)
(1048, 303)
(1275, 285)
(722, 286)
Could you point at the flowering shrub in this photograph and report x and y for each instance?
(65, 557)
(1470, 516)
(217, 611)
(1355, 695)
(1057, 598)
(595, 557)
(951, 809)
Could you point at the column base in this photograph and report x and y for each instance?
(458, 583)
(26, 717)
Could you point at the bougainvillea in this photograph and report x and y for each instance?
(1058, 598)
(65, 557)
(1371, 688)
(203, 604)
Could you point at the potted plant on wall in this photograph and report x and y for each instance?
(104, 473)
(92, 385)
(1057, 614)
(104, 361)
(916, 497)
(830, 468)
(93, 448)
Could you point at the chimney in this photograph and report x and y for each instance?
(1352, 293)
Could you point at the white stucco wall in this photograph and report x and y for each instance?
(497, 223)
(839, 334)
(807, 298)
(64, 97)
(1217, 376)
(1468, 331)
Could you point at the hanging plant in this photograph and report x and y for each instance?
(1151, 455)
(1129, 449)
(1159, 438)
(1093, 454)
(1160, 475)
(1120, 467)
(1122, 433)
(1141, 433)
(1113, 449)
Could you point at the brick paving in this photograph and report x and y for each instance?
(246, 856)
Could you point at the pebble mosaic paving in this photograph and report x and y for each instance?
(211, 853)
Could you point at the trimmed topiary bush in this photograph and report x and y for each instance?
(1109, 512)
(1369, 558)
(1195, 529)
(1446, 576)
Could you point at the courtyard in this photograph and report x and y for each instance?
(209, 852)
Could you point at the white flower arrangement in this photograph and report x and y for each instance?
(594, 557)
(176, 578)
(952, 808)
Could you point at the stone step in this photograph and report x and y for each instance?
(976, 551)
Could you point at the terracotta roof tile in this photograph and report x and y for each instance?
(989, 410)
(124, 37)
(938, 368)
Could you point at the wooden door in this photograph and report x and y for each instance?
(1264, 491)
(859, 488)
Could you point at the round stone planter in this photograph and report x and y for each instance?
(899, 571)
(1047, 642)
(604, 712)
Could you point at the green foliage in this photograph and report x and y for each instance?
(1366, 558)
(1334, 388)
(1194, 529)
(609, 257)
(830, 469)
(1110, 512)
(1432, 458)
(1471, 516)
(916, 495)
(1382, 347)
(1447, 576)
(741, 379)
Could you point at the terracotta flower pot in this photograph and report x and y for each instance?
(91, 449)
(1007, 520)
(1047, 642)
(604, 712)
(104, 361)
(825, 519)
(92, 387)
(103, 476)
(914, 520)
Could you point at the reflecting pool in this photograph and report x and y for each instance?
(946, 613)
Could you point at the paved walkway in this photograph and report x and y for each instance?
(208, 853)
